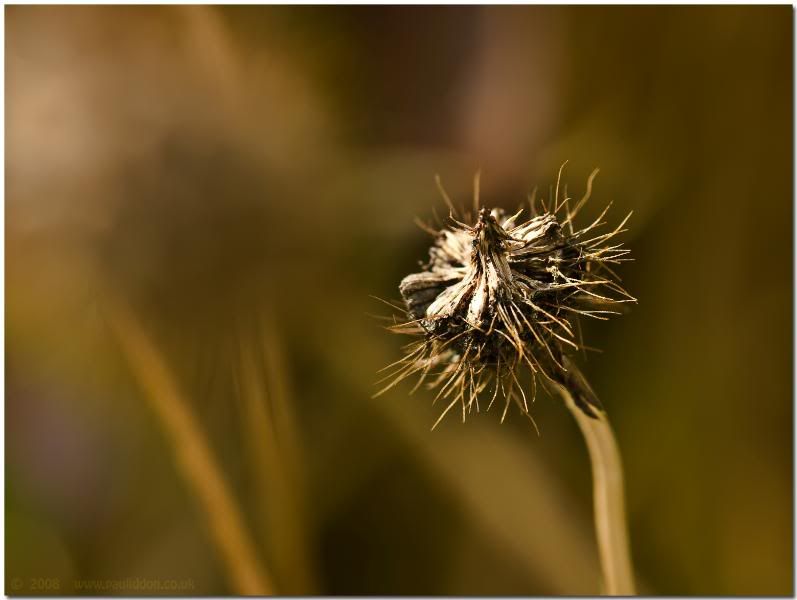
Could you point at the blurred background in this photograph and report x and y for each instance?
(241, 180)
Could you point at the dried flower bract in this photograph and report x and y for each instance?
(500, 293)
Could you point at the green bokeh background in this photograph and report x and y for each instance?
(247, 177)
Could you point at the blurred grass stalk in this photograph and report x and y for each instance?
(519, 507)
(609, 499)
(193, 457)
(270, 433)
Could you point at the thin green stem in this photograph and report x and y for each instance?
(609, 499)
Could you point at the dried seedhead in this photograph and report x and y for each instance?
(499, 294)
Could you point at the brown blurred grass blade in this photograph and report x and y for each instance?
(193, 457)
(268, 429)
(511, 497)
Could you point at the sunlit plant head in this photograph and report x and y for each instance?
(501, 293)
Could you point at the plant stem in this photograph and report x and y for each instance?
(608, 496)
(193, 456)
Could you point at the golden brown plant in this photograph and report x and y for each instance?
(500, 293)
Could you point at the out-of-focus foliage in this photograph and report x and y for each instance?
(247, 177)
